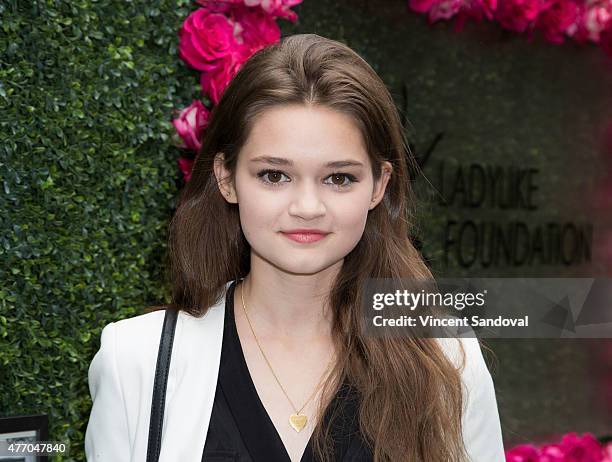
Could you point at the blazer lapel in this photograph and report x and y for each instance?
(192, 383)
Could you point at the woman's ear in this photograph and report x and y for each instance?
(223, 176)
(381, 185)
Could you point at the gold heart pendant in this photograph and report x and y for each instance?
(297, 421)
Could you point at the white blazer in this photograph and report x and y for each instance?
(121, 378)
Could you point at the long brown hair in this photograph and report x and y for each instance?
(410, 396)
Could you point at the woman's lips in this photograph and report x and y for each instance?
(305, 238)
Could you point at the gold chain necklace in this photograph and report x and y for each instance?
(296, 420)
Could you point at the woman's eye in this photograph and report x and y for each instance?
(274, 178)
(338, 179)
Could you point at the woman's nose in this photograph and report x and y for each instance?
(307, 202)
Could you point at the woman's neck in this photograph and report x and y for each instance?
(288, 307)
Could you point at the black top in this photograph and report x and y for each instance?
(240, 428)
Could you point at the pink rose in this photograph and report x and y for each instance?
(251, 30)
(206, 38)
(213, 83)
(594, 19)
(605, 40)
(597, 18)
(572, 448)
(522, 453)
(516, 15)
(475, 9)
(186, 166)
(607, 453)
(585, 448)
(444, 9)
(216, 6)
(577, 30)
(190, 125)
(554, 21)
(421, 6)
(551, 453)
(257, 28)
(276, 8)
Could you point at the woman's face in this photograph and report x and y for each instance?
(283, 182)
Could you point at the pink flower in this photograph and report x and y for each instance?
(551, 453)
(463, 9)
(517, 15)
(597, 18)
(605, 40)
(257, 29)
(240, 33)
(444, 9)
(205, 39)
(607, 453)
(523, 453)
(276, 8)
(554, 21)
(191, 123)
(571, 448)
(474, 9)
(577, 30)
(585, 448)
(594, 19)
(216, 6)
(582, 20)
(186, 166)
(421, 6)
(213, 83)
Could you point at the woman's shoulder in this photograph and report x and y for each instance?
(128, 344)
(138, 329)
(136, 338)
(134, 342)
(466, 354)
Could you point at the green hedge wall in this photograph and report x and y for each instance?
(88, 183)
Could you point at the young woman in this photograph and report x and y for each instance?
(299, 194)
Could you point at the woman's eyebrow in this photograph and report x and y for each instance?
(281, 161)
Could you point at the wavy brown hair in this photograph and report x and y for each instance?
(410, 394)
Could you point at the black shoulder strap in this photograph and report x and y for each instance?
(159, 387)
